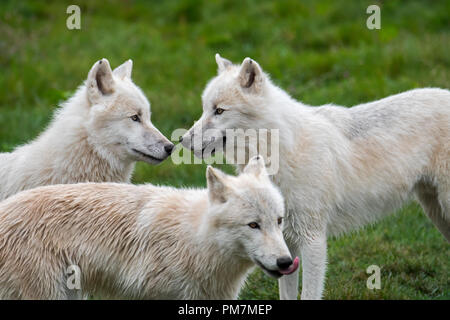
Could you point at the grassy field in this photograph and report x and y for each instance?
(320, 51)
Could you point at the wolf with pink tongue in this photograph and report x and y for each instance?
(143, 242)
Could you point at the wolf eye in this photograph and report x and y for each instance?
(219, 111)
(253, 225)
(280, 220)
(135, 118)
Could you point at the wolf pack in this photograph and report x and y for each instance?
(67, 198)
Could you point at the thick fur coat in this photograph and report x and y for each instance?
(92, 137)
(339, 168)
(143, 242)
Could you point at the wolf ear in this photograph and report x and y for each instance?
(256, 166)
(251, 75)
(222, 63)
(217, 188)
(124, 70)
(100, 80)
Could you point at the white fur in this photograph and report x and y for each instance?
(340, 168)
(141, 242)
(90, 137)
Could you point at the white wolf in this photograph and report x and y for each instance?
(96, 136)
(143, 242)
(340, 168)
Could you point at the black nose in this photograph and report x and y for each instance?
(181, 139)
(169, 148)
(284, 262)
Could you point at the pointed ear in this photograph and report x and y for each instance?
(124, 70)
(256, 166)
(217, 188)
(100, 80)
(251, 75)
(222, 63)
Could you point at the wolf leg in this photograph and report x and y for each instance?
(436, 206)
(288, 285)
(443, 221)
(314, 260)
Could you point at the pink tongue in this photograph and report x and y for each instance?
(292, 268)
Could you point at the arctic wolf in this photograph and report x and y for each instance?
(96, 136)
(143, 242)
(340, 168)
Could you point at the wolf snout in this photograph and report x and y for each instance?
(286, 265)
(169, 148)
(186, 140)
(284, 262)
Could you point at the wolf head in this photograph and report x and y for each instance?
(119, 116)
(246, 216)
(234, 101)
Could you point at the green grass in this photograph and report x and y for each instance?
(320, 51)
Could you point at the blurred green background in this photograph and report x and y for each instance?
(319, 51)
